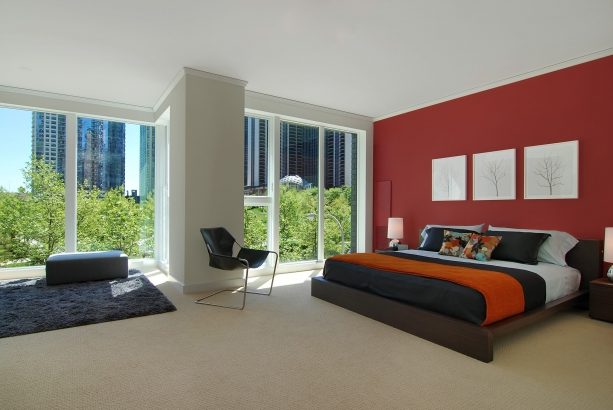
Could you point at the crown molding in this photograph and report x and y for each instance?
(254, 95)
(198, 73)
(213, 76)
(509, 80)
(72, 98)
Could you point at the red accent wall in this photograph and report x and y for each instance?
(572, 103)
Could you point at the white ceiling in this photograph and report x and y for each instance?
(366, 57)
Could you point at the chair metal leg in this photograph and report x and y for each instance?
(244, 291)
(272, 282)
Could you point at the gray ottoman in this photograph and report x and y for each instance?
(86, 266)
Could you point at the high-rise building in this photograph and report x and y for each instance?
(101, 151)
(299, 152)
(147, 161)
(101, 148)
(255, 156)
(339, 158)
(49, 139)
(114, 157)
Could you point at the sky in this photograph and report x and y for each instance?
(16, 148)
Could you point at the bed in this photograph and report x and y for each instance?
(467, 333)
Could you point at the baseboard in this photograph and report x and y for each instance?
(211, 286)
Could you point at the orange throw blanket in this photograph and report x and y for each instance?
(504, 295)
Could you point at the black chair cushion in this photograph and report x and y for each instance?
(255, 257)
(218, 240)
(220, 245)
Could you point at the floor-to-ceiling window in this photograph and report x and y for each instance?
(112, 170)
(301, 197)
(258, 199)
(115, 186)
(298, 192)
(32, 204)
(340, 195)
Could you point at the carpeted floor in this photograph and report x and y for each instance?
(30, 306)
(292, 351)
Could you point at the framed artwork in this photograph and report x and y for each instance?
(551, 171)
(494, 175)
(449, 178)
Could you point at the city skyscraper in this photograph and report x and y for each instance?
(299, 152)
(49, 139)
(101, 149)
(89, 152)
(114, 159)
(255, 155)
(147, 161)
(339, 158)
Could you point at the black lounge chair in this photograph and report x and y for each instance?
(220, 245)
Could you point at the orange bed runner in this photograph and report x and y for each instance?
(504, 295)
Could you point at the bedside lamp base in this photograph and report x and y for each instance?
(610, 273)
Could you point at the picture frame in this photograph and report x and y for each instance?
(449, 178)
(551, 171)
(494, 175)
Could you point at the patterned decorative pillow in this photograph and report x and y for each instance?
(480, 247)
(454, 243)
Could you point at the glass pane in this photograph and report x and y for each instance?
(256, 227)
(115, 177)
(256, 156)
(31, 186)
(340, 196)
(298, 192)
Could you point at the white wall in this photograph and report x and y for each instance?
(206, 172)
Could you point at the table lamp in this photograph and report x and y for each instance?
(394, 231)
(608, 250)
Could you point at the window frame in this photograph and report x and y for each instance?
(161, 252)
(272, 200)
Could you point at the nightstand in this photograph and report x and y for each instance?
(601, 299)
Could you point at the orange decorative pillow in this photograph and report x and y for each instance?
(480, 247)
(454, 243)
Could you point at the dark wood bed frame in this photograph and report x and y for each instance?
(464, 337)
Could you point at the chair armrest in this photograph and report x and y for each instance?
(226, 262)
(255, 257)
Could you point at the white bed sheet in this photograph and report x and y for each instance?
(559, 280)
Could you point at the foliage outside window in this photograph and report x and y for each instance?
(32, 208)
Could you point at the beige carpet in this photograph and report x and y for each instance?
(290, 351)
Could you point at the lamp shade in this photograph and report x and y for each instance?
(608, 245)
(395, 228)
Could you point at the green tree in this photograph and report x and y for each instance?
(121, 220)
(43, 217)
(147, 241)
(297, 224)
(90, 230)
(256, 221)
(337, 216)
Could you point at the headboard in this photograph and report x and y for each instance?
(586, 256)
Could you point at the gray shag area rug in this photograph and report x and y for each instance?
(30, 306)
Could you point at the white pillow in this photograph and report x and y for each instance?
(555, 247)
(424, 234)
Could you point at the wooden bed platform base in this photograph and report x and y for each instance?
(464, 337)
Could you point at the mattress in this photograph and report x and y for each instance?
(560, 281)
(542, 283)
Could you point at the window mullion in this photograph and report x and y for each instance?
(70, 184)
(320, 194)
(273, 184)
